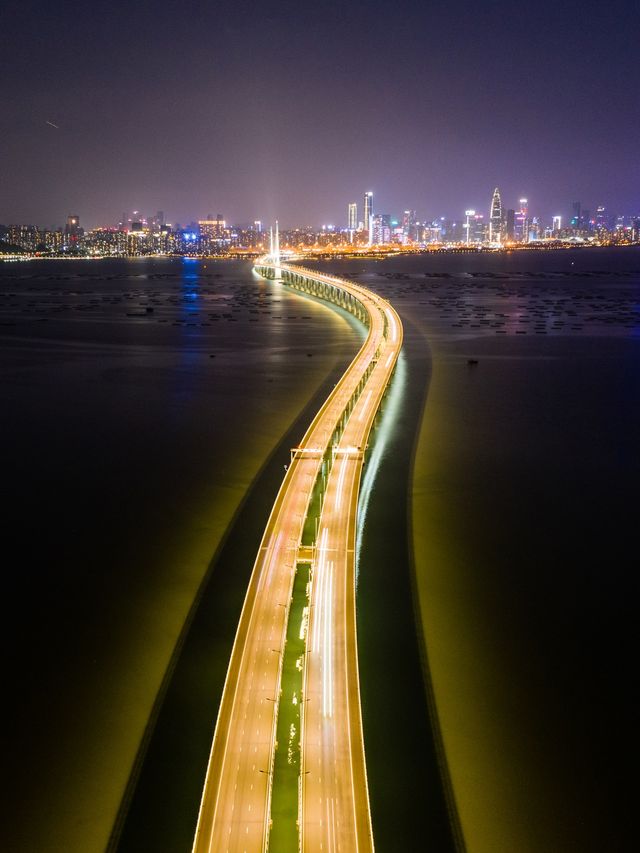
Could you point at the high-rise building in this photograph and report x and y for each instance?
(381, 229)
(72, 227)
(557, 224)
(601, 220)
(352, 216)
(510, 224)
(409, 226)
(368, 210)
(576, 219)
(522, 222)
(467, 225)
(495, 218)
(212, 229)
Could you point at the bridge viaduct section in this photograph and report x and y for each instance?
(235, 811)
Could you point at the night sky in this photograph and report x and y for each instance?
(258, 110)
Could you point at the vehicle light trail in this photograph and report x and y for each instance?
(334, 805)
(364, 407)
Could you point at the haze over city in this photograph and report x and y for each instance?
(283, 111)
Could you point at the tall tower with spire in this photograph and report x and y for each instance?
(495, 218)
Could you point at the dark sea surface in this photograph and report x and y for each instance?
(525, 503)
(495, 588)
(140, 400)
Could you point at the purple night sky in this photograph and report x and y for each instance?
(259, 110)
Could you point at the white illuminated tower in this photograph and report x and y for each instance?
(467, 226)
(352, 216)
(495, 218)
(368, 210)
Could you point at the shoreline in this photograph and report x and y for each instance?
(380, 253)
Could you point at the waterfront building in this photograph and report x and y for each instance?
(352, 216)
(475, 228)
(213, 233)
(576, 219)
(109, 241)
(467, 226)
(24, 236)
(381, 229)
(368, 211)
(73, 233)
(535, 230)
(409, 226)
(495, 218)
(510, 225)
(522, 222)
(72, 228)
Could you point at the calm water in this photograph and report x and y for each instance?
(131, 435)
(140, 400)
(525, 497)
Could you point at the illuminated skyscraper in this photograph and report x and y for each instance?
(409, 228)
(576, 219)
(368, 210)
(352, 216)
(510, 224)
(381, 229)
(467, 226)
(72, 227)
(495, 218)
(522, 222)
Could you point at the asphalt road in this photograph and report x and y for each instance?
(235, 807)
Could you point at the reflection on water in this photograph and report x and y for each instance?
(383, 429)
(140, 399)
(524, 515)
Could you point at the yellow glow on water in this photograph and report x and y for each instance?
(501, 799)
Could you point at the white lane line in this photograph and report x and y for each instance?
(327, 663)
(343, 469)
(319, 580)
(364, 406)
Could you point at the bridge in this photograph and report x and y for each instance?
(333, 802)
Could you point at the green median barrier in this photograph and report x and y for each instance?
(286, 766)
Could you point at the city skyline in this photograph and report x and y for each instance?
(347, 213)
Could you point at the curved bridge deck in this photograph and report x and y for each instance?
(334, 805)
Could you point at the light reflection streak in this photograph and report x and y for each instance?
(390, 413)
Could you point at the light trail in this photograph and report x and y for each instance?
(234, 812)
(343, 468)
(364, 407)
(327, 650)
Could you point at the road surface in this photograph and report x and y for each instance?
(235, 806)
